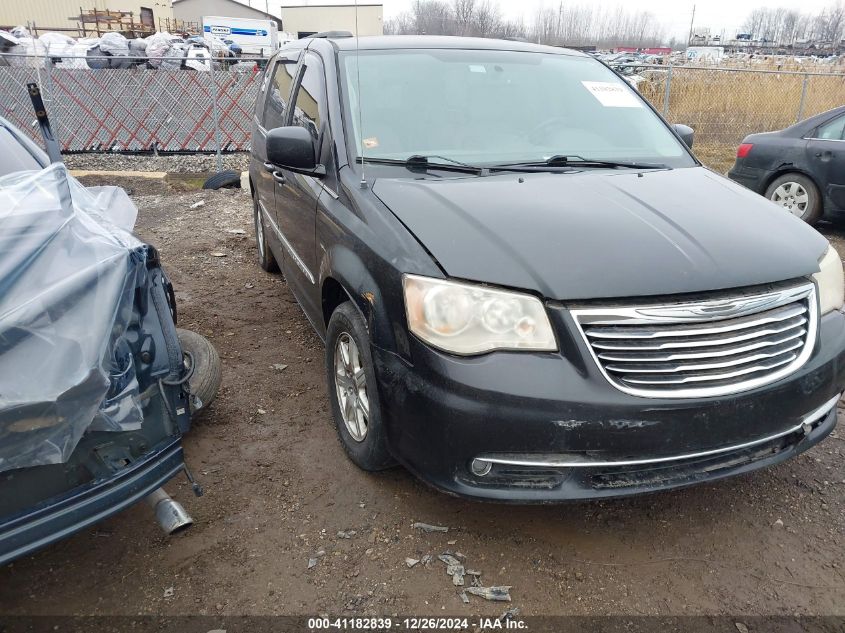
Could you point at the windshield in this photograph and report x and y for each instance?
(492, 107)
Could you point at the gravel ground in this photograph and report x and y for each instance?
(279, 489)
(175, 163)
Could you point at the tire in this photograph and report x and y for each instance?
(205, 381)
(790, 189)
(266, 259)
(369, 450)
(226, 178)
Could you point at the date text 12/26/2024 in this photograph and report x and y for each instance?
(377, 624)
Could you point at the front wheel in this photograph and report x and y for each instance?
(265, 256)
(353, 391)
(797, 194)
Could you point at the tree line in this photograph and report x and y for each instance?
(602, 26)
(562, 24)
(788, 26)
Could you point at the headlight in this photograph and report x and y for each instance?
(470, 319)
(830, 281)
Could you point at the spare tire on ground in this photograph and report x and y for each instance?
(226, 178)
(205, 379)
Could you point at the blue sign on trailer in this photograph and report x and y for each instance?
(225, 30)
(255, 37)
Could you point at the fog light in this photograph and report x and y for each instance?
(480, 467)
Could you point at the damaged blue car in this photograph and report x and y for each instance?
(94, 381)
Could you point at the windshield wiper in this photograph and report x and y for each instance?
(425, 159)
(573, 160)
(423, 162)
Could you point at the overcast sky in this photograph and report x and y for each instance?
(673, 14)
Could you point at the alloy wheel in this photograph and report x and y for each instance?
(259, 230)
(792, 197)
(351, 386)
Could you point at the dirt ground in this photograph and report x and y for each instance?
(279, 488)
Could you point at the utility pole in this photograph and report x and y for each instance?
(691, 22)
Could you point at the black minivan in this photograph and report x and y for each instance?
(528, 287)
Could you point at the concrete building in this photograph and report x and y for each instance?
(306, 20)
(299, 20)
(49, 15)
(191, 11)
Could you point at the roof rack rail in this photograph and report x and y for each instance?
(332, 34)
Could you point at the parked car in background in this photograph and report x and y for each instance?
(528, 288)
(801, 168)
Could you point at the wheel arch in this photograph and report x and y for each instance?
(782, 170)
(345, 277)
(332, 294)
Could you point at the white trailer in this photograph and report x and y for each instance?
(255, 37)
(705, 54)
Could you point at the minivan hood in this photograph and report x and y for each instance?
(599, 233)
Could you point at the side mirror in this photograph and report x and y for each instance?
(685, 132)
(292, 148)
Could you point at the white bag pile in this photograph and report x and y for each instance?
(114, 44)
(160, 45)
(27, 45)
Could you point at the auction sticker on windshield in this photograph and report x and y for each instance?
(612, 95)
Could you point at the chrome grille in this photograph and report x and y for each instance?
(703, 347)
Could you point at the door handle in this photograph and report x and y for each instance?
(270, 167)
(279, 177)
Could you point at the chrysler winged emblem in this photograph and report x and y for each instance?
(712, 309)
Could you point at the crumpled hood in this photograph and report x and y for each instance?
(596, 234)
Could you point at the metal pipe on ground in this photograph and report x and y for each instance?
(170, 515)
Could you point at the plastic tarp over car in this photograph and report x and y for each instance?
(69, 267)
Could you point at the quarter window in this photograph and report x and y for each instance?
(832, 130)
(310, 97)
(278, 95)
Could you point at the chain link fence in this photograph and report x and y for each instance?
(185, 110)
(136, 109)
(723, 105)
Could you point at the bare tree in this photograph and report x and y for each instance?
(595, 24)
(832, 23)
(478, 18)
(433, 17)
(754, 22)
(791, 23)
(785, 27)
(465, 11)
(487, 19)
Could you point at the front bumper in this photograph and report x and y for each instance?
(444, 412)
(86, 505)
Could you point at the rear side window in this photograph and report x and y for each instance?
(311, 98)
(833, 130)
(278, 92)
